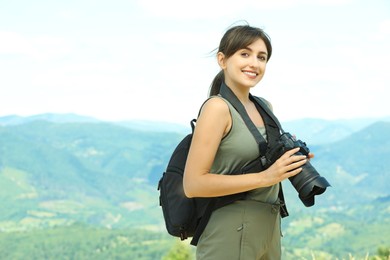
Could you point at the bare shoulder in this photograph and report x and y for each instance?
(216, 106)
(214, 117)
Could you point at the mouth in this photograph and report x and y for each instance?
(250, 73)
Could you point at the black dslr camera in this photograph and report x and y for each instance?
(308, 182)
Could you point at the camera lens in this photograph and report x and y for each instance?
(309, 183)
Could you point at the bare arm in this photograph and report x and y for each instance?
(213, 123)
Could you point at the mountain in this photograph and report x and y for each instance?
(355, 166)
(311, 130)
(320, 131)
(104, 174)
(107, 164)
(141, 125)
(50, 117)
(144, 125)
(97, 170)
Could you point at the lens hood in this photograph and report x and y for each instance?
(315, 186)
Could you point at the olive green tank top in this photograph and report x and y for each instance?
(238, 148)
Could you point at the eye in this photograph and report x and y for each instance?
(262, 58)
(245, 54)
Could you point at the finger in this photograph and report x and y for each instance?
(293, 172)
(296, 158)
(296, 164)
(292, 151)
(290, 157)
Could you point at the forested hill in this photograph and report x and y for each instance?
(90, 172)
(357, 165)
(85, 162)
(105, 174)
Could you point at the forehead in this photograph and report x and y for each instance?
(258, 46)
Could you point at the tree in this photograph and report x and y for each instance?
(179, 251)
(384, 253)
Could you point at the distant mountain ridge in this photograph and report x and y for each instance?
(320, 131)
(50, 117)
(311, 130)
(142, 125)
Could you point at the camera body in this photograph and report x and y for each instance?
(308, 182)
(289, 142)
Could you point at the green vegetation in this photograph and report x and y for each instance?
(79, 241)
(83, 242)
(180, 251)
(88, 191)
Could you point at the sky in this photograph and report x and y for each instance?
(154, 60)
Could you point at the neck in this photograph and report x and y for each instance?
(241, 93)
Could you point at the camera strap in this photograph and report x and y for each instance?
(228, 94)
(260, 103)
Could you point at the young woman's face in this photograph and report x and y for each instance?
(246, 67)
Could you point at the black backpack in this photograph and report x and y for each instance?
(180, 224)
(187, 217)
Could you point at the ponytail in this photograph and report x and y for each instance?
(216, 84)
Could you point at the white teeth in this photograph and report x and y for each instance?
(250, 73)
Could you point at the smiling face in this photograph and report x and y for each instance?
(246, 67)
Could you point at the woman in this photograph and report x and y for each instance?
(249, 228)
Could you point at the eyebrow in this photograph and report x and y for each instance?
(262, 52)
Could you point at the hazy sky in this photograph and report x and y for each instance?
(152, 59)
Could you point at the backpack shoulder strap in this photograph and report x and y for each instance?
(211, 203)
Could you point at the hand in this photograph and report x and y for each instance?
(285, 167)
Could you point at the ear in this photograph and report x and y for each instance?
(221, 60)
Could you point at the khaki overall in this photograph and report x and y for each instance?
(245, 230)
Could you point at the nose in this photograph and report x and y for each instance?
(254, 62)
